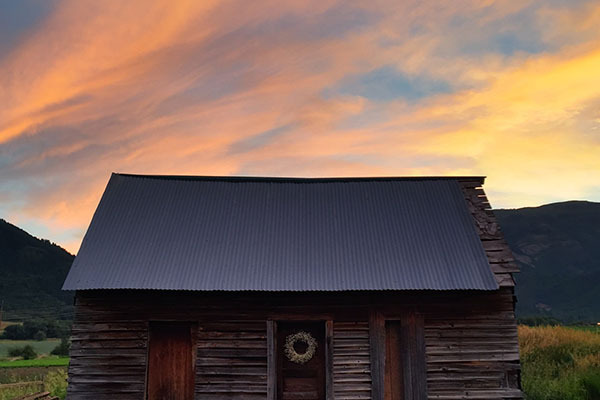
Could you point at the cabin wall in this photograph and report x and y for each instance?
(351, 360)
(471, 349)
(232, 360)
(108, 355)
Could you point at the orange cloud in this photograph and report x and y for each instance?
(266, 88)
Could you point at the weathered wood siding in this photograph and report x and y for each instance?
(499, 254)
(108, 354)
(232, 360)
(351, 361)
(472, 352)
(470, 339)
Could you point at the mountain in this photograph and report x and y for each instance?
(558, 249)
(32, 271)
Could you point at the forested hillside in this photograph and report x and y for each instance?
(558, 249)
(32, 271)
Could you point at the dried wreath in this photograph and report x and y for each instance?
(291, 352)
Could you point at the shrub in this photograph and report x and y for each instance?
(56, 383)
(27, 352)
(34, 326)
(591, 384)
(39, 336)
(62, 349)
(58, 328)
(15, 352)
(14, 332)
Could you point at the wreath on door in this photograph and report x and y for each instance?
(292, 354)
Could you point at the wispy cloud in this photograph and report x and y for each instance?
(308, 88)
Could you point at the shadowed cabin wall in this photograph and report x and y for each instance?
(470, 341)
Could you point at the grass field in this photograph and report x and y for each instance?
(26, 374)
(560, 363)
(41, 347)
(22, 377)
(32, 380)
(38, 362)
(11, 393)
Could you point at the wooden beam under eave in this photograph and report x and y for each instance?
(329, 393)
(377, 350)
(271, 360)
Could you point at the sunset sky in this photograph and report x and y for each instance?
(506, 89)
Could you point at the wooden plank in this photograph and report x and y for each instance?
(170, 362)
(394, 377)
(412, 340)
(36, 396)
(504, 255)
(271, 360)
(351, 372)
(377, 348)
(505, 280)
(329, 344)
(229, 363)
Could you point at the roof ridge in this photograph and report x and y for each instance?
(243, 178)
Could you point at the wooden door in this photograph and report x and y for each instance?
(171, 362)
(393, 362)
(301, 380)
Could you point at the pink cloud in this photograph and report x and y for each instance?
(219, 88)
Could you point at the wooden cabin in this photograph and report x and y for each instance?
(244, 288)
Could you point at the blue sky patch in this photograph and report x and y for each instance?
(386, 83)
(17, 17)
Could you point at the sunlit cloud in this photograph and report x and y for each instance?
(310, 88)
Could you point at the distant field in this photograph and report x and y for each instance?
(587, 328)
(41, 347)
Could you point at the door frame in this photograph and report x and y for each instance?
(272, 345)
(412, 349)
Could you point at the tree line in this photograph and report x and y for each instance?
(38, 329)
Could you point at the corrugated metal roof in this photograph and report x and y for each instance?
(274, 234)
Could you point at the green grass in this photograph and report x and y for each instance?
(560, 363)
(27, 374)
(41, 347)
(38, 362)
(12, 393)
(54, 381)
